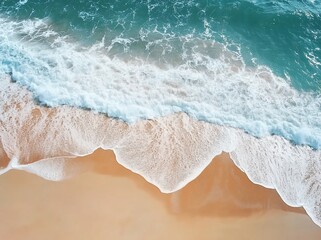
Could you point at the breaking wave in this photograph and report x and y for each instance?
(217, 88)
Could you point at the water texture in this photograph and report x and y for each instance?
(246, 74)
(253, 65)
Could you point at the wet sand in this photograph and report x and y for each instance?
(114, 203)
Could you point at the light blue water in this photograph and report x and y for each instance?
(254, 65)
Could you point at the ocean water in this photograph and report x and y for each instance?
(253, 65)
(181, 80)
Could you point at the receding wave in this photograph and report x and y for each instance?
(169, 151)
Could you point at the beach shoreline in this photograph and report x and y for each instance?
(115, 203)
(160, 120)
(168, 152)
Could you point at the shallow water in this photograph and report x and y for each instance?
(167, 86)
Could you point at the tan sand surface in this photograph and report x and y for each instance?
(114, 203)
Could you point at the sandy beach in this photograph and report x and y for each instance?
(114, 203)
(98, 198)
(183, 120)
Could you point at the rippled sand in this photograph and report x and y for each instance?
(114, 203)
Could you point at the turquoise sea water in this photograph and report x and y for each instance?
(254, 65)
(284, 35)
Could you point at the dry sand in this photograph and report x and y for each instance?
(114, 203)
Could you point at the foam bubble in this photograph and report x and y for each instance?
(217, 87)
(169, 152)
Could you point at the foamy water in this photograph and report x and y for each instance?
(177, 90)
(220, 90)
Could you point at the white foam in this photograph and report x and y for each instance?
(218, 89)
(169, 152)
